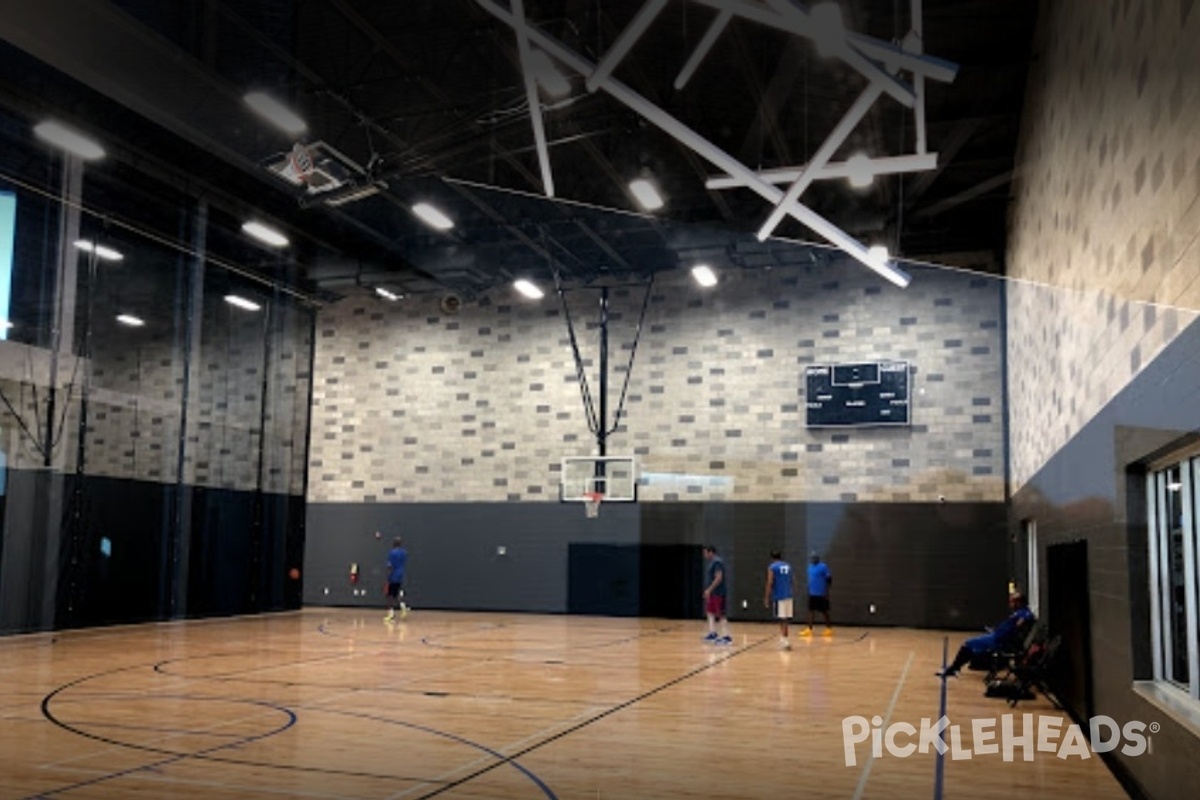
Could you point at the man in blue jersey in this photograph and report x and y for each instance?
(779, 593)
(397, 562)
(819, 581)
(1003, 636)
(716, 589)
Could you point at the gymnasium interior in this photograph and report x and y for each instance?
(560, 294)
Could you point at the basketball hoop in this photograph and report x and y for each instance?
(591, 504)
(300, 162)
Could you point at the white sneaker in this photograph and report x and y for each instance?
(784, 644)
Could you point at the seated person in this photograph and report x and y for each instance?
(1002, 637)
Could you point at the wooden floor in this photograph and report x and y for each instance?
(335, 703)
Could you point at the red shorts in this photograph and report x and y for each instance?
(715, 605)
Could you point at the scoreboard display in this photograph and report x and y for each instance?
(848, 395)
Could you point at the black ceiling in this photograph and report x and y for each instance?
(430, 93)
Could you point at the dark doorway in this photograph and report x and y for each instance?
(602, 579)
(1069, 615)
(672, 581)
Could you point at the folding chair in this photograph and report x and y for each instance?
(1020, 680)
(994, 664)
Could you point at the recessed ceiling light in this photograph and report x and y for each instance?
(241, 302)
(106, 253)
(130, 320)
(646, 194)
(704, 275)
(387, 294)
(529, 289)
(860, 173)
(69, 139)
(433, 217)
(265, 234)
(276, 113)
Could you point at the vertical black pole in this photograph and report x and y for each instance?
(602, 428)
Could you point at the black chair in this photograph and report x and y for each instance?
(999, 662)
(1021, 679)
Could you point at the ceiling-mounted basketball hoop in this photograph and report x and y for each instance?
(300, 162)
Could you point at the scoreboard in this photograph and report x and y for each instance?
(847, 395)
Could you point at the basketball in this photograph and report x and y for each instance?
(294, 574)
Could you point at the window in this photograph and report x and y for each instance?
(1032, 573)
(1173, 493)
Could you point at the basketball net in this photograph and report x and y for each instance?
(300, 163)
(591, 504)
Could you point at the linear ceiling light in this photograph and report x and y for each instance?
(130, 320)
(387, 294)
(102, 252)
(69, 139)
(433, 217)
(704, 275)
(276, 113)
(265, 234)
(241, 302)
(529, 289)
(646, 194)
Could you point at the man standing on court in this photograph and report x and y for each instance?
(819, 581)
(779, 593)
(715, 591)
(397, 561)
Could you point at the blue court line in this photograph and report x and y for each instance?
(940, 761)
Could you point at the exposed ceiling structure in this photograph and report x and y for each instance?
(453, 103)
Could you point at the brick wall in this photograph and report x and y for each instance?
(411, 404)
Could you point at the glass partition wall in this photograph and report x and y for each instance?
(154, 400)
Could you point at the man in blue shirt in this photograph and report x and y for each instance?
(819, 581)
(716, 588)
(1004, 636)
(779, 593)
(397, 561)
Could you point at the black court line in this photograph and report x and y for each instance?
(291, 720)
(428, 641)
(323, 628)
(940, 761)
(175, 755)
(592, 720)
(501, 758)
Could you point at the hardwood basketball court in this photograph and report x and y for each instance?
(329, 703)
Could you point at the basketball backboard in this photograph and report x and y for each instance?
(615, 477)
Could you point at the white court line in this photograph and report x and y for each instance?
(866, 772)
